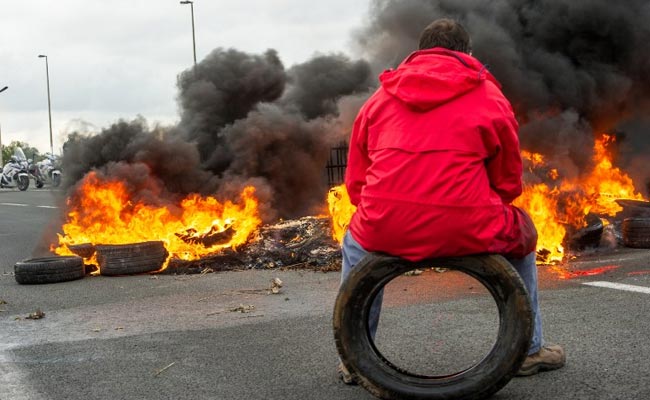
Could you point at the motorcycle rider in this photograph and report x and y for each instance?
(49, 169)
(9, 167)
(14, 172)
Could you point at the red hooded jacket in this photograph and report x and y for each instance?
(434, 163)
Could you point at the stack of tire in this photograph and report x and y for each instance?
(123, 259)
(636, 232)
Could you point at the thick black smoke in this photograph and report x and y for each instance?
(223, 88)
(319, 83)
(570, 68)
(171, 160)
(244, 120)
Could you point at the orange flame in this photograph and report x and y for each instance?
(536, 159)
(341, 210)
(567, 203)
(607, 182)
(553, 207)
(541, 203)
(104, 213)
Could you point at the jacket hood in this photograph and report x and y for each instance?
(429, 78)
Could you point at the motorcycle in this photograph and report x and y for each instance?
(14, 173)
(49, 169)
(35, 174)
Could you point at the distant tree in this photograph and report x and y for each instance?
(30, 152)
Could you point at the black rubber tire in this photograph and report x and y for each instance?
(633, 203)
(23, 183)
(134, 258)
(588, 236)
(375, 373)
(636, 232)
(132, 248)
(85, 250)
(49, 269)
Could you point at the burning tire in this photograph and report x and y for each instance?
(588, 236)
(633, 203)
(380, 377)
(49, 270)
(127, 259)
(636, 232)
(85, 250)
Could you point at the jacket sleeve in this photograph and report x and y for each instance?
(504, 167)
(358, 160)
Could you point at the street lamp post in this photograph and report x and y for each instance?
(191, 3)
(1, 160)
(49, 105)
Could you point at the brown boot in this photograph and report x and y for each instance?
(548, 358)
(344, 375)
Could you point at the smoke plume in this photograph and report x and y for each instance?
(244, 120)
(571, 70)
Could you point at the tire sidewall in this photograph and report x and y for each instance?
(387, 381)
(636, 232)
(52, 269)
(134, 258)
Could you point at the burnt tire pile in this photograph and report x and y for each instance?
(49, 270)
(135, 258)
(636, 232)
(372, 370)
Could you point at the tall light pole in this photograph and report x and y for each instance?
(1, 161)
(49, 106)
(191, 3)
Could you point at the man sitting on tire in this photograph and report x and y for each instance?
(433, 167)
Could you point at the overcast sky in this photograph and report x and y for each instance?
(120, 58)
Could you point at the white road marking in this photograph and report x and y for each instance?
(619, 286)
(25, 205)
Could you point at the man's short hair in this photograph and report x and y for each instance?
(446, 33)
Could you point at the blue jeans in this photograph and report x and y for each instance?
(527, 268)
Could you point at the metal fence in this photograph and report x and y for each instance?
(336, 164)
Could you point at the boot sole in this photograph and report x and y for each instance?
(537, 368)
(346, 379)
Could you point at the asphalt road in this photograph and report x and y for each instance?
(180, 337)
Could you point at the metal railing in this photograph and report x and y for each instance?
(336, 164)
